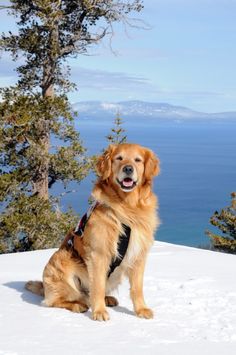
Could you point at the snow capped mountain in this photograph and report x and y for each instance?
(142, 109)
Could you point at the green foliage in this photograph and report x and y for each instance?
(117, 132)
(22, 126)
(50, 30)
(29, 222)
(35, 113)
(225, 221)
(32, 223)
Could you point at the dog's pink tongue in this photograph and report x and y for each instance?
(128, 182)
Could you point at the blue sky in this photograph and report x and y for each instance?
(187, 57)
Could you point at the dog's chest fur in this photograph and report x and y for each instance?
(135, 250)
(141, 237)
(134, 247)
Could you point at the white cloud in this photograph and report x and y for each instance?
(101, 79)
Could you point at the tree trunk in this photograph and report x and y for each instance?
(40, 183)
(40, 187)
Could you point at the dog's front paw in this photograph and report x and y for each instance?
(145, 313)
(100, 315)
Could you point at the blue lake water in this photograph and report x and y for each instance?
(198, 172)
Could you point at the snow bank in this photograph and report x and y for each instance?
(192, 292)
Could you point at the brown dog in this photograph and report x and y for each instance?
(78, 277)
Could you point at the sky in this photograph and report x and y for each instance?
(186, 56)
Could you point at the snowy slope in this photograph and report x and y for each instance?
(192, 291)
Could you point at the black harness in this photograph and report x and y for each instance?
(123, 242)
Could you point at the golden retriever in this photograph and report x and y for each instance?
(77, 277)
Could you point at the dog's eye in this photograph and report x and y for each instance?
(119, 158)
(138, 160)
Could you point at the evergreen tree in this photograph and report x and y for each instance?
(37, 109)
(225, 221)
(117, 132)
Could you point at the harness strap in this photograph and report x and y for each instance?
(79, 230)
(122, 243)
(122, 248)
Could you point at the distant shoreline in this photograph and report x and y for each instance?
(146, 110)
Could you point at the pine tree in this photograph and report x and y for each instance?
(225, 221)
(117, 132)
(36, 110)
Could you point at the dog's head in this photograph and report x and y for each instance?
(127, 166)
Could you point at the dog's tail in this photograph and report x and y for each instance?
(35, 287)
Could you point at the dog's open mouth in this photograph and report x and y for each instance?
(127, 183)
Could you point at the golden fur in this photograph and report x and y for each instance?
(79, 282)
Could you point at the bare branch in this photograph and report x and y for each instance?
(95, 38)
(2, 7)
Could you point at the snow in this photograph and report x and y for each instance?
(110, 106)
(192, 292)
(142, 109)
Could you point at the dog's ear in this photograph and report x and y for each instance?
(103, 165)
(152, 165)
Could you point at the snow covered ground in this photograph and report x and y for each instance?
(192, 292)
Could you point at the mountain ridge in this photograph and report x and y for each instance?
(144, 109)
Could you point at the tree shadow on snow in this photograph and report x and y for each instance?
(26, 295)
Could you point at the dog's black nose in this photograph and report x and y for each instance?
(128, 169)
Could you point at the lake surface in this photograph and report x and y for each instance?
(198, 172)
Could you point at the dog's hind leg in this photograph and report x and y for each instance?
(74, 306)
(111, 301)
(62, 281)
(61, 295)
